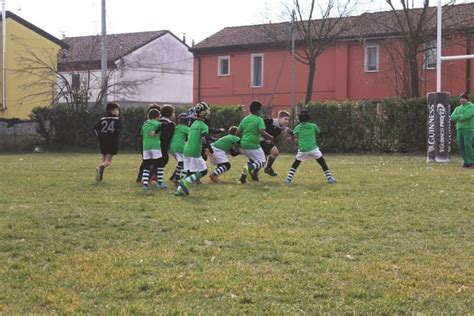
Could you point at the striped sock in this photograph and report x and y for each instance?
(291, 173)
(328, 174)
(255, 165)
(145, 177)
(193, 178)
(178, 171)
(160, 172)
(220, 170)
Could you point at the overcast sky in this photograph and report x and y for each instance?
(197, 18)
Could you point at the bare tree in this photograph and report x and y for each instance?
(44, 81)
(314, 36)
(49, 80)
(417, 30)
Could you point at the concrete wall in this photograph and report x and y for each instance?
(18, 136)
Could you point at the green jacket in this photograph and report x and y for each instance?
(463, 115)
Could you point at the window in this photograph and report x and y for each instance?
(430, 55)
(223, 66)
(75, 82)
(371, 63)
(256, 70)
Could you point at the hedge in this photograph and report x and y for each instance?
(392, 125)
(64, 127)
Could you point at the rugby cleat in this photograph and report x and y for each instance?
(99, 173)
(179, 192)
(243, 176)
(184, 186)
(161, 186)
(214, 178)
(254, 175)
(270, 172)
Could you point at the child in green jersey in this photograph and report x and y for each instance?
(140, 170)
(250, 129)
(307, 132)
(193, 161)
(463, 115)
(151, 145)
(177, 145)
(228, 143)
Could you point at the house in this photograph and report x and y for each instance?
(28, 49)
(238, 64)
(143, 67)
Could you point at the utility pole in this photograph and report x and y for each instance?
(293, 101)
(438, 45)
(104, 56)
(4, 57)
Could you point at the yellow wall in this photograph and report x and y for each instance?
(29, 84)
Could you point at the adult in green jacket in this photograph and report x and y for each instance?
(463, 115)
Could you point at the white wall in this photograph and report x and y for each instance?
(163, 70)
(167, 67)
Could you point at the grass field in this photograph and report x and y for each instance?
(392, 236)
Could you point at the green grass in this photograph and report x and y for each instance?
(392, 236)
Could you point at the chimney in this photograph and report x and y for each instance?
(192, 43)
(184, 38)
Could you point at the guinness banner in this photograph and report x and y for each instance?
(439, 127)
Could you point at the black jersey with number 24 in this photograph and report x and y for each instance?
(108, 129)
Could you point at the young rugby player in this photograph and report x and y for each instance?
(166, 133)
(193, 161)
(250, 129)
(274, 127)
(177, 145)
(140, 170)
(307, 133)
(108, 129)
(228, 143)
(151, 145)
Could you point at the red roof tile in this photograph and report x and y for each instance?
(87, 49)
(367, 25)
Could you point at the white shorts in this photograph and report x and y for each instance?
(315, 153)
(179, 157)
(257, 155)
(219, 156)
(152, 154)
(194, 164)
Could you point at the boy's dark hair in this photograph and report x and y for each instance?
(153, 113)
(167, 110)
(283, 114)
(464, 95)
(255, 106)
(232, 130)
(111, 106)
(153, 106)
(303, 116)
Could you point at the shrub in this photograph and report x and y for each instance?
(66, 127)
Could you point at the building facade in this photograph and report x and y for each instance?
(29, 51)
(143, 67)
(239, 64)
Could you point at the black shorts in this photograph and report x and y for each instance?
(108, 146)
(266, 146)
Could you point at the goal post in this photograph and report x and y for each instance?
(439, 110)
